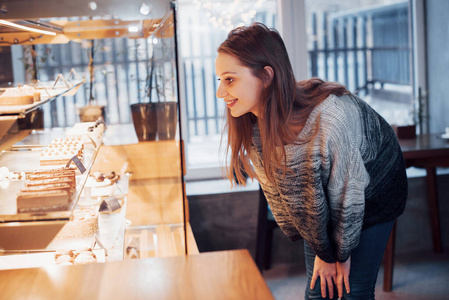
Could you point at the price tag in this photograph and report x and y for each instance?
(77, 163)
(110, 204)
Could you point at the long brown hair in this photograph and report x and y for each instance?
(284, 105)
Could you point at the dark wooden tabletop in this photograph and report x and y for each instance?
(426, 149)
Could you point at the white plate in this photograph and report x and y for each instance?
(91, 182)
(445, 136)
(85, 202)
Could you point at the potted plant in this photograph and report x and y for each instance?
(418, 119)
(91, 112)
(157, 118)
(166, 109)
(144, 114)
(32, 63)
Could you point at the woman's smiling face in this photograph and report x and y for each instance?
(239, 88)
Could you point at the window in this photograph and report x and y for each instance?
(203, 25)
(120, 72)
(367, 49)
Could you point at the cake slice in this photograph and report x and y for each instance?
(19, 96)
(52, 180)
(55, 172)
(41, 201)
(49, 187)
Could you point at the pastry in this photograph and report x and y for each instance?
(60, 151)
(52, 180)
(75, 257)
(50, 187)
(89, 132)
(112, 177)
(48, 190)
(19, 96)
(64, 259)
(32, 201)
(99, 177)
(86, 257)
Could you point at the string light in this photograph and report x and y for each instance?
(232, 14)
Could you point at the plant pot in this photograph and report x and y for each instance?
(144, 120)
(32, 120)
(405, 132)
(167, 120)
(6, 123)
(92, 113)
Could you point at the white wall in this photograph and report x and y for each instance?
(438, 64)
(293, 30)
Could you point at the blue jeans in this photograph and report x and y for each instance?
(365, 262)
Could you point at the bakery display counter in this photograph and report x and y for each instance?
(143, 213)
(149, 221)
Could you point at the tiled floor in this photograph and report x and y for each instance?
(421, 276)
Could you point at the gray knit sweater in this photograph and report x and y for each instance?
(350, 176)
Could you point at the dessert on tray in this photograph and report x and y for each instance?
(75, 257)
(88, 131)
(52, 200)
(21, 95)
(60, 151)
(49, 190)
(100, 177)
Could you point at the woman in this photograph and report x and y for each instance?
(330, 167)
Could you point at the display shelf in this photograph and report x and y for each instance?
(49, 93)
(19, 231)
(22, 159)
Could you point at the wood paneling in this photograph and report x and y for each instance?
(147, 160)
(155, 190)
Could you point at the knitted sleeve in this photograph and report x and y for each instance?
(322, 197)
(278, 208)
(348, 179)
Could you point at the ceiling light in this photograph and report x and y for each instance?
(145, 9)
(14, 25)
(133, 29)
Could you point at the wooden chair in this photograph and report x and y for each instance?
(265, 227)
(388, 261)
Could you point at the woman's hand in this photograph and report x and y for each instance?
(343, 276)
(328, 275)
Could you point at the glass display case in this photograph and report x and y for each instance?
(138, 212)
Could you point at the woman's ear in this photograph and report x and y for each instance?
(269, 74)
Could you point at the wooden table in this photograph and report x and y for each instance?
(427, 151)
(215, 275)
